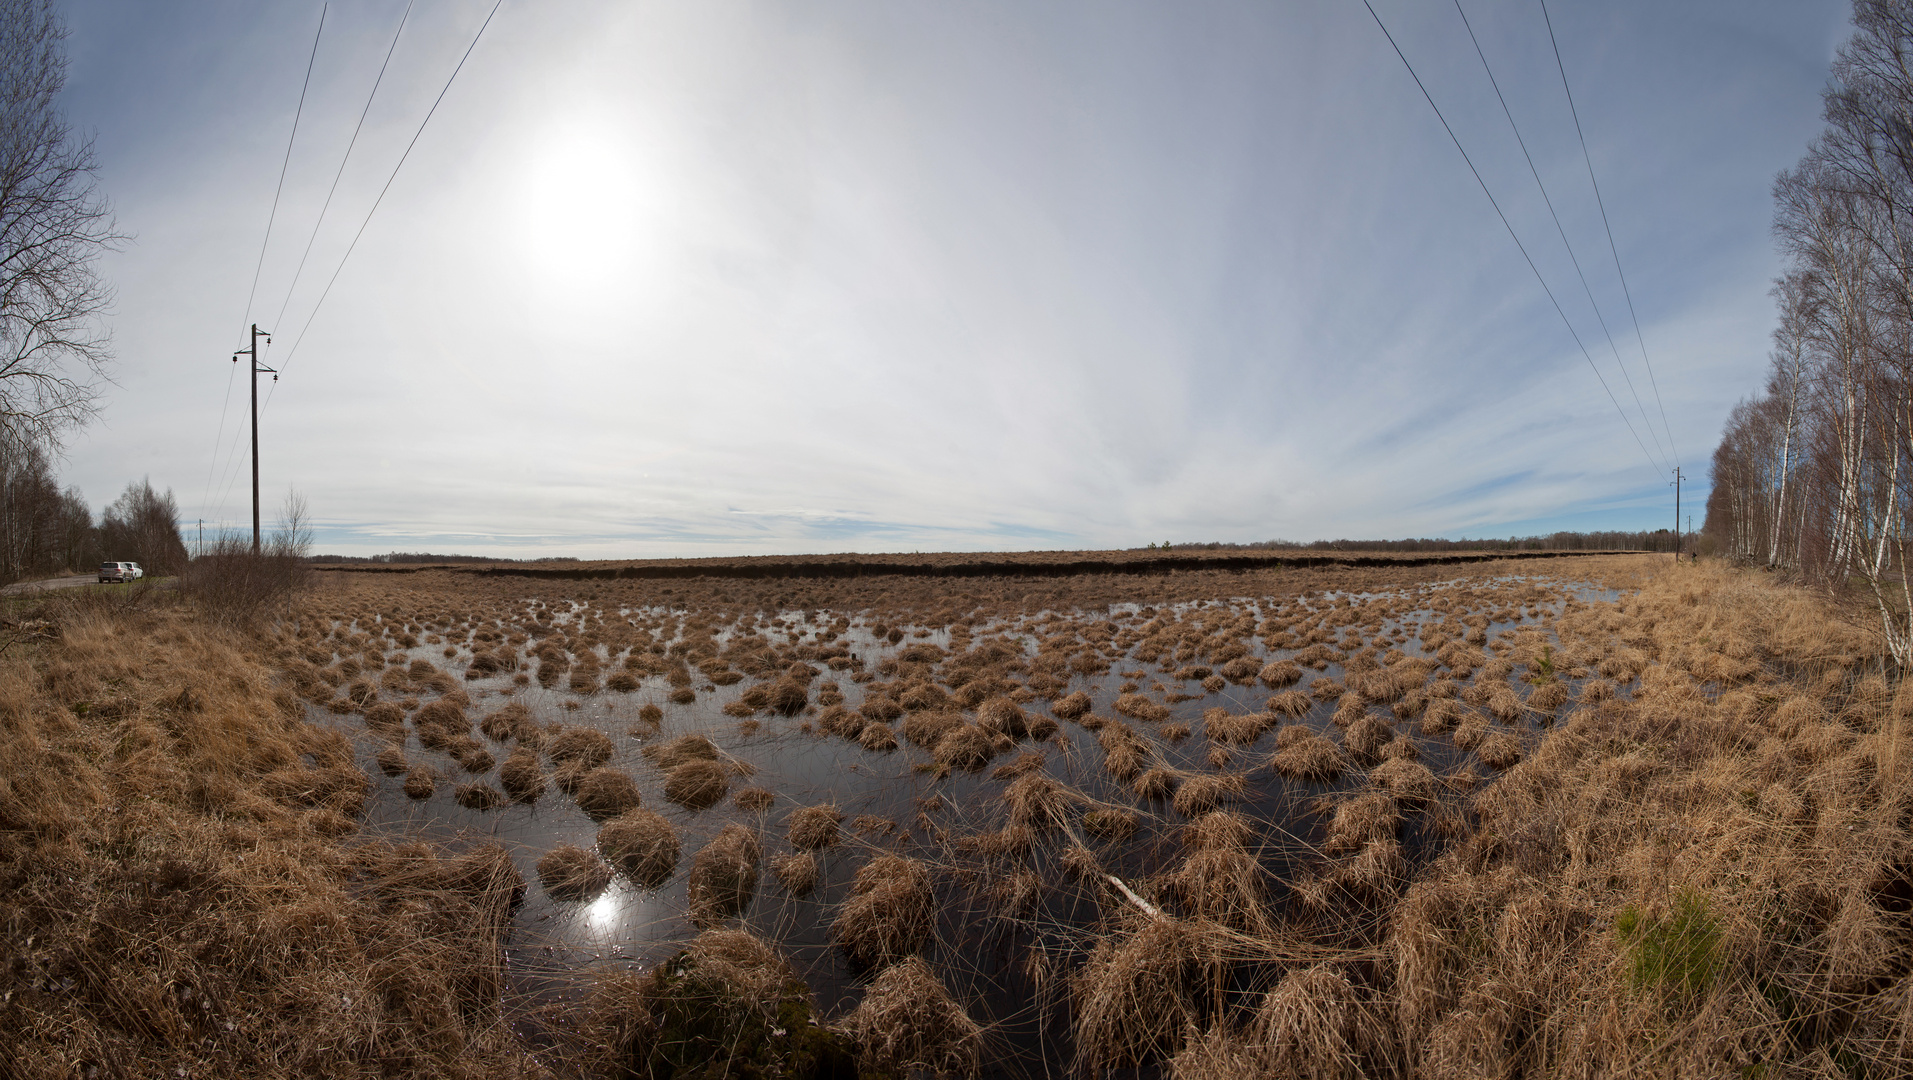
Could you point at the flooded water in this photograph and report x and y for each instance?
(900, 801)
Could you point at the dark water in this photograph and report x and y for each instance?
(984, 959)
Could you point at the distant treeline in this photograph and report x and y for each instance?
(414, 557)
(1656, 540)
(45, 530)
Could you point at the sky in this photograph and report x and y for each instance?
(719, 278)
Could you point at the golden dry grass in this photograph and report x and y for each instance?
(724, 875)
(642, 845)
(569, 872)
(1695, 870)
(174, 895)
(890, 913)
(604, 793)
(907, 1022)
(814, 828)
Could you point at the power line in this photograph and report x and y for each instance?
(263, 244)
(388, 186)
(1572, 258)
(1511, 233)
(1642, 338)
(354, 141)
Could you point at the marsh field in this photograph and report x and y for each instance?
(1589, 816)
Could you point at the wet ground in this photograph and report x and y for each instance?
(1005, 905)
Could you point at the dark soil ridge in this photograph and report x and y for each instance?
(1032, 564)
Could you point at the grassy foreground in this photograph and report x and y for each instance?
(176, 896)
(1709, 876)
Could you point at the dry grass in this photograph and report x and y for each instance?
(814, 828)
(1219, 880)
(605, 793)
(175, 898)
(1360, 820)
(1133, 995)
(798, 872)
(1071, 706)
(583, 747)
(907, 1023)
(642, 846)
(724, 875)
(571, 873)
(969, 747)
(1204, 792)
(679, 751)
(480, 796)
(1236, 729)
(877, 738)
(928, 729)
(697, 784)
(1301, 754)
(1697, 866)
(889, 915)
(523, 776)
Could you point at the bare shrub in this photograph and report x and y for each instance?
(238, 586)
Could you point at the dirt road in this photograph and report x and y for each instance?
(20, 587)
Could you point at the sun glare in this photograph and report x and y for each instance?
(595, 212)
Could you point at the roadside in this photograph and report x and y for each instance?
(22, 588)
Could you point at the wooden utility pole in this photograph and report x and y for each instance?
(252, 352)
(1676, 513)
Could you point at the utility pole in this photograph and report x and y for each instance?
(1676, 507)
(252, 351)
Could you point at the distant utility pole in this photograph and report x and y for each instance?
(1676, 507)
(258, 369)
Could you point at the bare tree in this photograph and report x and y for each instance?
(145, 524)
(54, 224)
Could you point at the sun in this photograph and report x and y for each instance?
(595, 211)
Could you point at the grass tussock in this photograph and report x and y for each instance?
(814, 828)
(1697, 878)
(605, 793)
(889, 915)
(724, 875)
(728, 1004)
(1301, 754)
(571, 873)
(642, 846)
(907, 1023)
(1133, 996)
(697, 784)
(798, 872)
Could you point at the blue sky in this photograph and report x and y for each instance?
(709, 278)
